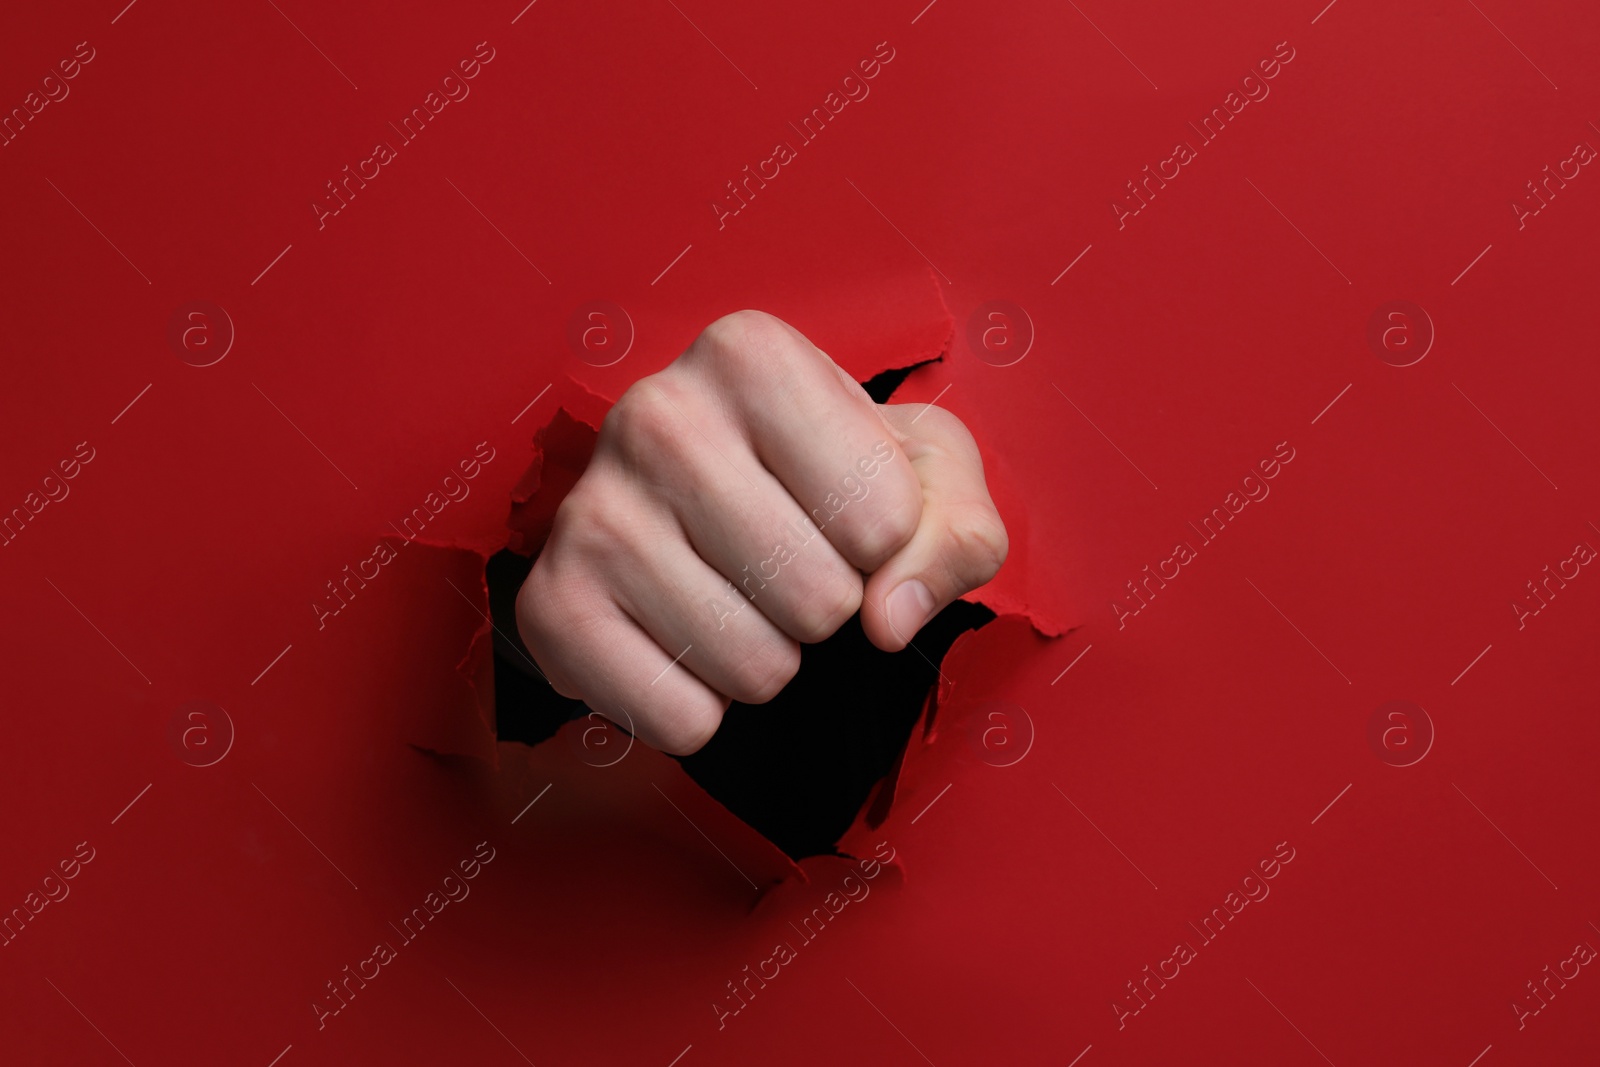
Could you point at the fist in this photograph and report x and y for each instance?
(746, 499)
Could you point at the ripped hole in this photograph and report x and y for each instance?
(799, 768)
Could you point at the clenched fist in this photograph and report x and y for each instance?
(748, 498)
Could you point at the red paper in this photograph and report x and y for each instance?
(1320, 277)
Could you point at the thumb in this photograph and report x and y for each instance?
(960, 541)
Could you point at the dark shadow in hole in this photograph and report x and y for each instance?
(882, 386)
(797, 768)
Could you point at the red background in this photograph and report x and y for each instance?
(1228, 716)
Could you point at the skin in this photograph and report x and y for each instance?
(720, 469)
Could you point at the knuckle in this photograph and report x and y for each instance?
(892, 525)
(640, 426)
(762, 677)
(568, 593)
(617, 419)
(540, 604)
(605, 525)
(689, 728)
(820, 617)
(978, 542)
(588, 531)
(742, 328)
(748, 340)
(943, 430)
(947, 424)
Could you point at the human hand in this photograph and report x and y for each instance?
(747, 498)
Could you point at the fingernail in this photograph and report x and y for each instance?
(908, 608)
